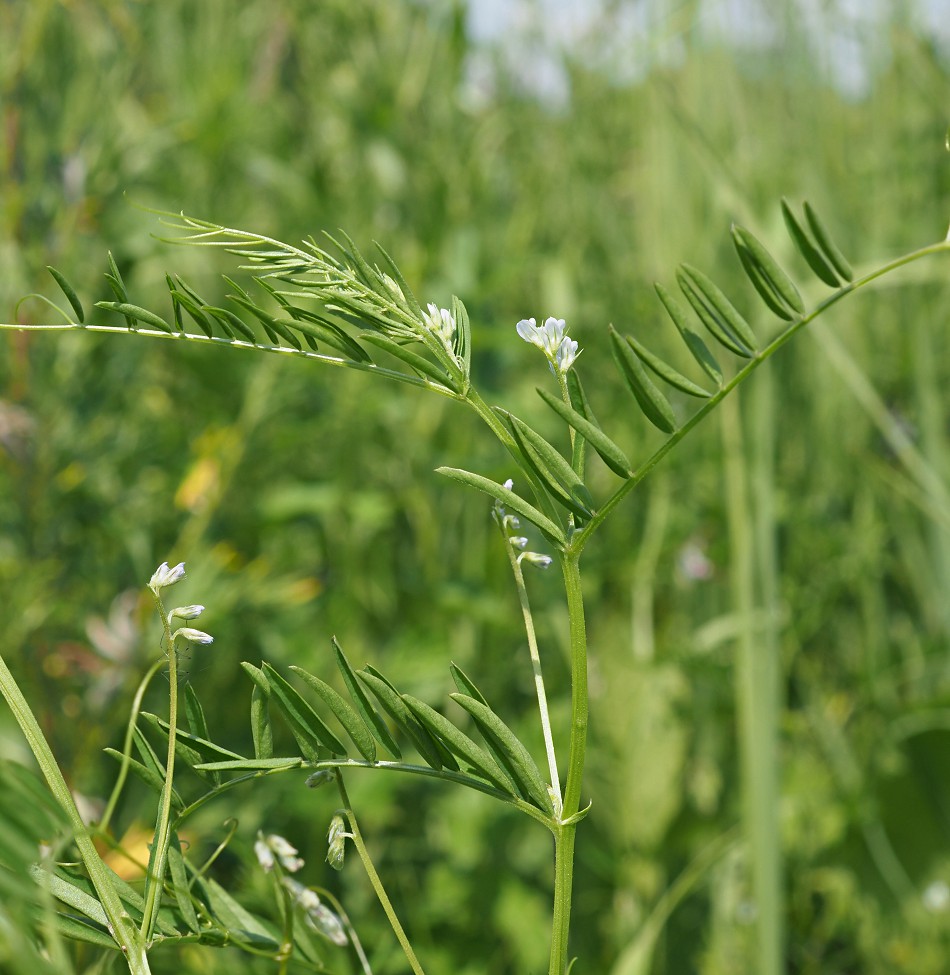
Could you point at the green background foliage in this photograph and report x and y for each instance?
(303, 500)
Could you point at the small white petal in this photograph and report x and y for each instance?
(566, 354)
(187, 612)
(518, 541)
(530, 332)
(192, 635)
(164, 576)
(265, 856)
(536, 559)
(510, 484)
(553, 333)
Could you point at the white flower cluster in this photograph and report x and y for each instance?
(319, 916)
(162, 578)
(274, 850)
(441, 322)
(510, 523)
(552, 339)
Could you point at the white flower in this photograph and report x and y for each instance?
(441, 322)
(193, 636)
(268, 847)
(264, 854)
(393, 287)
(320, 917)
(187, 612)
(552, 340)
(535, 558)
(163, 576)
(566, 354)
(517, 541)
(509, 484)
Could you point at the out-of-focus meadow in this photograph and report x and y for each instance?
(550, 168)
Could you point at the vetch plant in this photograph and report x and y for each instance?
(334, 307)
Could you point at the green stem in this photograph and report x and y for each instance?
(103, 823)
(160, 841)
(370, 869)
(535, 663)
(120, 923)
(565, 835)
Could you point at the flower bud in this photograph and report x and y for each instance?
(193, 636)
(336, 839)
(187, 612)
(164, 576)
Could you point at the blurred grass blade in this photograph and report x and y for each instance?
(71, 895)
(828, 247)
(362, 703)
(774, 286)
(352, 722)
(697, 347)
(70, 293)
(507, 497)
(655, 406)
(813, 257)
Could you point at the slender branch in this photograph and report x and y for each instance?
(329, 360)
(370, 869)
(106, 818)
(535, 663)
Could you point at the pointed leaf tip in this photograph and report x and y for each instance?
(655, 406)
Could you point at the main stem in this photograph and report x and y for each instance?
(565, 835)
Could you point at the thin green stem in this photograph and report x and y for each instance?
(535, 655)
(370, 869)
(328, 360)
(160, 841)
(103, 823)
